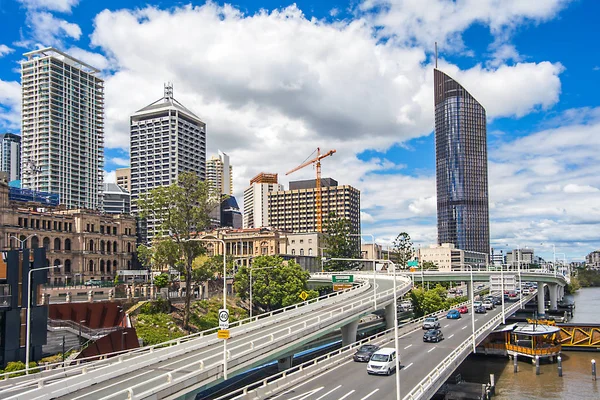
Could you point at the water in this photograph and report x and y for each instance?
(576, 382)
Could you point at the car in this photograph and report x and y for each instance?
(459, 292)
(431, 323)
(497, 300)
(93, 282)
(477, 304)
(481, 286)
(453, 314)
(382, 362)
(480, 310)
(433, 335)
(364, 352)
(526, 291)
(463, 309)
(452, 291)
(488, 305)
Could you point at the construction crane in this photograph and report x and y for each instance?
(317, 162)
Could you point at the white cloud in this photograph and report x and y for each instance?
(574, 188)
(47, 30)
(504, 53)
(96, 60)
(10, 105)
(122, 162)
(64, 6)
(4, 50)
(110, 177)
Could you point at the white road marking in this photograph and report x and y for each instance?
(369, 395)
(335, 388)
(431, 349)
(408, 366)
(476, 319)
(445, 326)
(314, 378)
(450, 337)
(347, 394)
(407, 346)
(464, 327)
(114, 384)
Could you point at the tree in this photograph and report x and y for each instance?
(427, 265)
(403, 250)
(144, 255)
(275, 283)
(339, 243)
(161, 281)
(182, 210)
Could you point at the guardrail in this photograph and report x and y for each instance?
(51, 371)
(86, 331)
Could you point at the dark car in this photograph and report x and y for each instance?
(480, 310)
(497, 300)
(364, 353)
(433, 335)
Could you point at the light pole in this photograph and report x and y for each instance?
(24, 240)
(472, 307)
(374, 266)
(28, 339)
(396, 334)
(251, 303)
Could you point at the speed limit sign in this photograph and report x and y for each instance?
(223, 318)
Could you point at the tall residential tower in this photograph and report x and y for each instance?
(10, 155)
(256, 205)
(461, 167)
(219, 173)
(62, 128)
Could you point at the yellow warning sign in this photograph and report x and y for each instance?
(223, 334)
(303, 295)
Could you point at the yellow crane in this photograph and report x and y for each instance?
(317, 162)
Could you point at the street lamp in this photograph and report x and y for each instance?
(374, 266)
(24, 240)
(396, 334)
(251, 303)
(472, 306)
(28, 339)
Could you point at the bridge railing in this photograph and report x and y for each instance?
(108, 358)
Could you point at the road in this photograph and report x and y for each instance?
(350, 381)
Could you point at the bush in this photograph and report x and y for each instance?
(156, 306)
(19, 366)
(156, 328)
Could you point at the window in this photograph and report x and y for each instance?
(293, 241)
(55, 225)
(43, 224)
(67, 266)
(309, 241)
(25, 222)
(20, 221)
(46, 243)
(67, 244)
(310, 252)
(87, 227)
(293, 252)
(301, 241)
(301, 252)
(101, 228)
(57, 244)
(60, 226)
(91, 246)
(93, 228)
(102, 245)
(114, 230)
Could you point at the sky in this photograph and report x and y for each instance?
(275, 80)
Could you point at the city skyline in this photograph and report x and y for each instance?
(370, 97)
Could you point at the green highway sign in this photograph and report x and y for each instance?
(413, 263)
(342, 278)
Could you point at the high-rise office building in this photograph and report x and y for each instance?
(117, 200)
(167, 139)
(219, 173)
(461, 167)
(10, 155)
(123, 176)
(256, 206)
(294, 210)
(62, 128)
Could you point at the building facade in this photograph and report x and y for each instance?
(448, 258)
(167, 139)
(294, 210)
(123, 176)
(86, 244)
(10, 155)
(220, 173)
(116, 199)
(592, 260)
(256, 200)
(62, 128)
(461, 167)
(520, 257)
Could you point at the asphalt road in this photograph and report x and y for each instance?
(350, 381)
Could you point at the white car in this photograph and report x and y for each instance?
(526, 291)
(477, 304)
(488, 304)
(382, 362)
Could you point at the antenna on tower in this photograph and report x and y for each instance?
(436, 55)
(168, 90)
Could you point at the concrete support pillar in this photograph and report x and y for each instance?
(128, 292)
(349, 333)
(561, 292)
(111, 295)
(541, 300)
(45, 299)
(390, 314)
(469, 289)
(68, 298)
(284, 363)
(553, 296)
(90, 296)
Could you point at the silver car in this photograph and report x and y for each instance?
(431, 323)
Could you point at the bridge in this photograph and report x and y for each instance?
(182, 366)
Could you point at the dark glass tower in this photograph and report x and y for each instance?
(461, 167)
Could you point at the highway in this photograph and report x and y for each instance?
(350, 380)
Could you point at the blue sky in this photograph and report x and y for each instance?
(275, 80)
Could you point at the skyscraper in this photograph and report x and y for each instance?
(256, 206)
(219, 173)
(461, 167)
(62, 128)
(167, 139)
(123, 176)
(10, 155)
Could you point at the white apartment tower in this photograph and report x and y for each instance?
(10, 155)
(219, 173)
(256, 205)
(62, 128)
(167, 139)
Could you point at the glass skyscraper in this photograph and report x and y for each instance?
(461, 167)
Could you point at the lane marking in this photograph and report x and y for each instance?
(445, 326)
(450, 337)
(464, 327)
(305, 395)
(431, 349)
(369, 395)
(407, 346)
(111, 385)
(335, 388)
(312, 379)
(347, 394)
(408, 366)
(476, 319)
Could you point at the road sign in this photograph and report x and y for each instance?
(223, 318)
(342, 278)
(412, 269)
(223, 334)
(303, 295)
(341, 286)
(413, 263)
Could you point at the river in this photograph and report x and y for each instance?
(576, 382)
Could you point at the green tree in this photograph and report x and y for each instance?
(144, 255)
(402, 250)
(339, 243)
(161, 281)
(427, 265)
(275, 283)
(182, 210)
